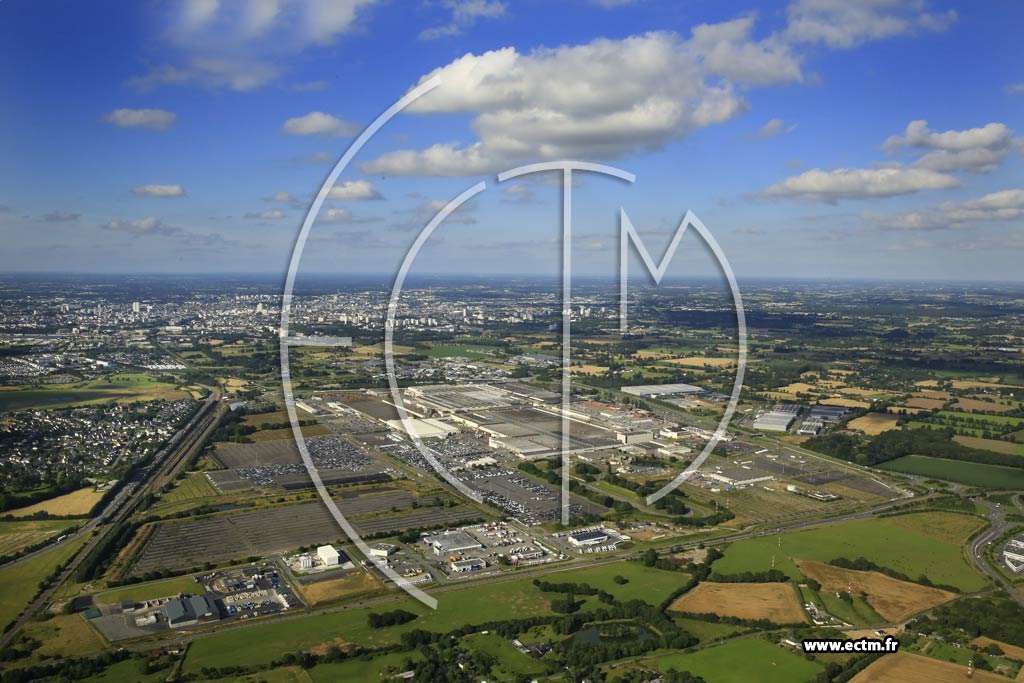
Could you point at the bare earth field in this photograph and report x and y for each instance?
(875, 423)
(926, 403)
(776, 602)
(971, 404)
(844, 402)
(893, 599)
(904, 667)
(333, 589)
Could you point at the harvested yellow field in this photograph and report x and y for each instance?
(895, 600)
(75, 503)
(988, 444)
(972, 384)
(591, 369)
(859, 391)
(927, 383)
(875, 423)
(797, 388)
(378, 349)
(844, 402)
(1011, 651)
(925, 403)
(701, 361)
(776, 602)
(903, 667)
(909, 411)
(934, 393)
(334, 589)
(972, 404)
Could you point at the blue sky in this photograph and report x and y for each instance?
(815, 138)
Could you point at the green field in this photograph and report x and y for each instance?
(510, 660)
(189, 492)
(361, 669)
(17, 535)
(645, 583)
(120, 388)
(20, 581)
(750, 660)
(976, 474)
(472, 605)
(923, 543)
(451, 350)
(151, 590)
(705, 630)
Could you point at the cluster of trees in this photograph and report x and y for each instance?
(894, 444)
(999, 618)
(769, 576)
(393, 618)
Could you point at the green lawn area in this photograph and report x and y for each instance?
(189, 492)
(361, 669)
(266, 642)
(750, 660)
(510, 660)
(150, 590)
(121, 388)
(927, 543)
(645, 583)
(976, 474)
(706, 630)
(20, 581)
(17, 535)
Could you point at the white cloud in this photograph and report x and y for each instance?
(283, 197)
(152, 119)
(59, 217)
(843, 24)
(246, 45)
(465, 13)
(320, 124)
(272, 215)
(774, 127)
(1015, 88)
(334, 216)
(601, 100)
(978, 150)
(860, 183)
(165, 191)
(1006, 205)
(150, 225)
(354, 190)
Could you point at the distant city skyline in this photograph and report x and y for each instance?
(817, 139)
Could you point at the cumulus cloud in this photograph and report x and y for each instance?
(320, 124)
(860, 183)
(59, 217)
(272, 215)
(354, 190)
(841, 24)
(602, 99)
(283, 197)
(464, 13)
(164, 191)
(977, 150)
(774, 127)
(149, 225)
(1006, 205)
(246, 45)
(152, 119)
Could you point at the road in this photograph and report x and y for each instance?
(166, 465)
(999, 526)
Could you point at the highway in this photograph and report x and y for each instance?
(165, 466)
(999, 526)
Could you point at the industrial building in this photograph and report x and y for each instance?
(656, 390)
(737, 476)
(470, 564)
(189, 610)
(1013, 555)
(328, 555)
(634, 437)
(423, 429)
(778, 419)
(452, 542)
(383, 549)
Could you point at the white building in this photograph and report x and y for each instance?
(328, 555)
